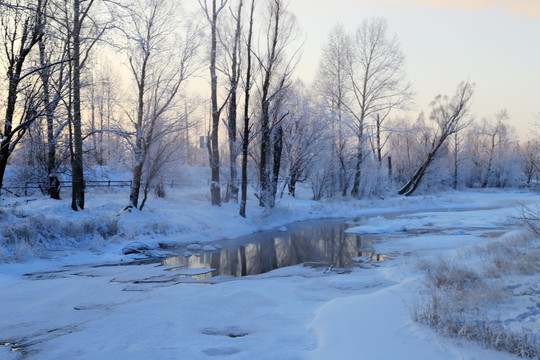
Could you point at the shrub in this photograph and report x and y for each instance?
(456, 297)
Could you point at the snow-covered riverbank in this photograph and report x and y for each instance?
(290, 313)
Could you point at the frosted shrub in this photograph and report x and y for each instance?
(450, 275)
(515, 253)
(26, 236)
(456, 297)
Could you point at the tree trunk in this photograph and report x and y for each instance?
(379, 147)
(233, 184)
(413, 183)
(135, 183)
(292, 185)
(188, 148)
(278, 147)
(265, 198)
(77, 177)
(3, 164)
(456, 161)
(343, 175)
(245, 142)
(53, 190)
(390, 168)
(355, 191)
(10, 111)
(264, 173)
(215, 190)
(145, 196)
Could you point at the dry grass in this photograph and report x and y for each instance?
(457, 297)
(29, 236)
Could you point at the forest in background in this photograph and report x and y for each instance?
(146, 85)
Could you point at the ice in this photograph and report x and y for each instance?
(209, 248)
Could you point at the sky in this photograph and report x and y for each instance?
(493, 43)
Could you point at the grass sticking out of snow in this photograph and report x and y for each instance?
(458, 300)
(27, 236)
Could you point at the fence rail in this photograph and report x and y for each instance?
(35, 185)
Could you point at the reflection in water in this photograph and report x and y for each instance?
(318, 241)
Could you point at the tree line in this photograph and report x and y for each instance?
(347, 133)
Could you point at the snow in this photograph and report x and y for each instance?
(56, 304)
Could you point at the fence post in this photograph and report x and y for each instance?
(109, 184)
(26, 189)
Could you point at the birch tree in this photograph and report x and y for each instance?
(304, 138)
(54, 82)
(449, 115)
(276, 69)
(376, 71)
(247, 126)
(212, 13)
(495, 138)
(161, 58)
(333, 86)
(81, 30)
(235, 66)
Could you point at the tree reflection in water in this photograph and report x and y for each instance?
(322, 241)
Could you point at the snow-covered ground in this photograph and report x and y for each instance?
(57, 304)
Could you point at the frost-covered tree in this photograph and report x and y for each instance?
(232, 43)
(495, 158)
(212, 13)
(53, 51)
(448, 113)
(276, 69)
(376, 71)
(333, 87)
(161, 56)
(304, 131)
(247, 125)
(531, 160)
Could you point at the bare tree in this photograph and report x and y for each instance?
(332, 84)
(449, 114)
(234, 54)
(496, 135)
(54, 80)
(160, 60)
(456, 148)
(375, 68)
(22, 27)
(82, 32)
(213, 146)
(304, 139)
(77, 169)
(276, 70)
(105, 100)
(246, 134)
(532, 160)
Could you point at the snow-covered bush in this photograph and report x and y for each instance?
(456, 298)
(27, 236)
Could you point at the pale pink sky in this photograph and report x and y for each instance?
(529, 8)
(494, 43)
